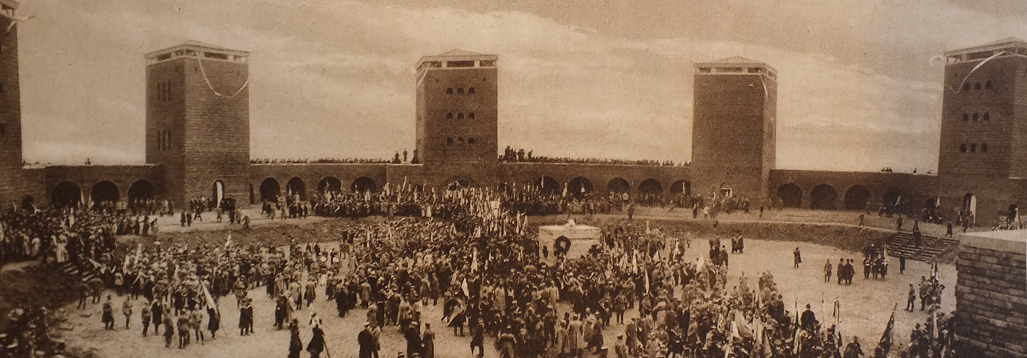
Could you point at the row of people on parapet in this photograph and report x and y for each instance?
(890, 170)
(511, 155)
(322, 160)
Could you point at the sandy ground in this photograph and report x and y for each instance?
(865, 307)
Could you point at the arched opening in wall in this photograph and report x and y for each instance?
(295, 188)
(457, 184)
(823, 197)
(791, 195)
(363, 184)
(892, 196)
(65, 194)
(329, 185)
(28, 203)
(579, 187)
(857, 197)
(547, 185)
(618, 186)
(725, 191)
(970, 205)
(140, 192)
(269, 190)
(650, 186)
(931, 203)
(681, 187)
(104, 192)
(217, 192)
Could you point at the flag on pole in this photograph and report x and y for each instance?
(474, 260)
(139, 252)
(886, 338)
(647, 282)
(934, 323)
(210, 302)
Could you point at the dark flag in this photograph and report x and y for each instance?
(886, 340)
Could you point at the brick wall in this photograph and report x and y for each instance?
(991, 297)
(733, 133)
(217, 129)
(435, 104)
(12, 181)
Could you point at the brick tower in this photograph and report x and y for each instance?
(457, 118)
(982, 159)
(198, 121)
(11, 172)
(733, 127)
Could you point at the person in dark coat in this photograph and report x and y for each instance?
(428, 342)
(413, 337)
(317, 342)
(213, 322)
(366, 342)
(295, 343)
(808, 320)
(245, 318)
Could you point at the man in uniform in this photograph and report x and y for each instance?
(911, 303)
(798, 256)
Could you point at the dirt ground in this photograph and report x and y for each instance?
(865, 306)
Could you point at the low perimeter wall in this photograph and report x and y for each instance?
(991, 294)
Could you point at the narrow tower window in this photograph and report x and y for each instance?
(459, 116)
(962, 148)
(987, 116)
(966, 117)
(449, 90)
(984, 147)
(987, 85)
(449, 116)
(470, 90)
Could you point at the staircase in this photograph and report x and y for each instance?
(71, 269)
(932, 249)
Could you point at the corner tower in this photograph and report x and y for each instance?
(982, 159)
(734, 127)
(11, 163)
(197, 120)
(457, 117)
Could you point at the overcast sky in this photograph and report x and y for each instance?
(578, 78)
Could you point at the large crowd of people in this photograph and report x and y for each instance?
(511, 155)
(467, 250)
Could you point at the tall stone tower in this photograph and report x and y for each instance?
(982, 159)
(11, 172)
(734, 127)
(198, 121)
(457, 117)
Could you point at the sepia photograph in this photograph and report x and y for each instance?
(513, 179)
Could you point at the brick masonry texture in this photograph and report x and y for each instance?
(991, 301)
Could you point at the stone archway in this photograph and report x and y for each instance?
(579, 187)
(618, 186)
(140, 191)
(650, 186)
(65, 194)
(548, 185)
(681, 187)
(791, 195)
(270, 190)
(857, 197)
(329, 184)
(104, 192)
(823, 196)
(296, 188)
(363, 184)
